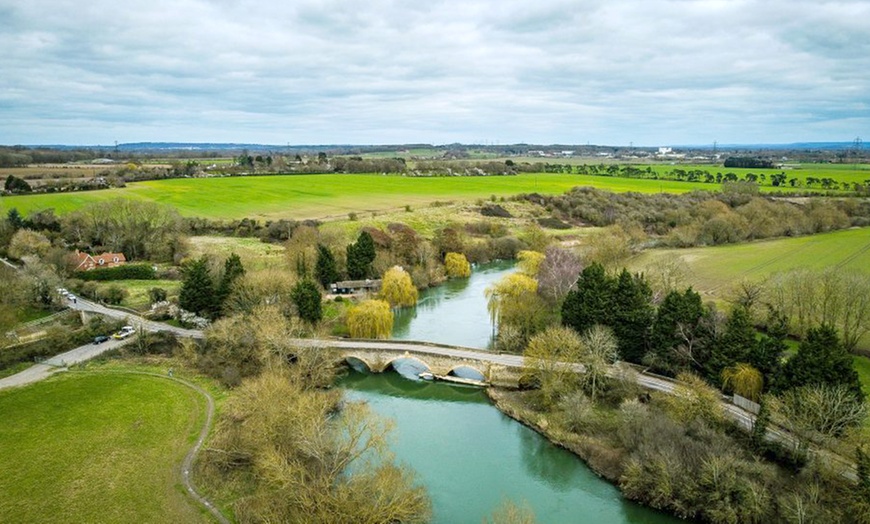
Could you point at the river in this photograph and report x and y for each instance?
(468, 454)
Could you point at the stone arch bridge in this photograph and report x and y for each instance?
(378, 356)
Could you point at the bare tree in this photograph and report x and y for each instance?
(558, 273)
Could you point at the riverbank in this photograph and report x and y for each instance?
(694, 468)
(602, 458)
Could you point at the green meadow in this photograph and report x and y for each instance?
(324, 196)
(712, 270)
(97, 447)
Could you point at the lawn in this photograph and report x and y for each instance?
(326, 196)
(138, 298)
(862, 366)
(254, 253)
(713, 270)
(97, 447)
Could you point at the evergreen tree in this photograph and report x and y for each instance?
(678, 338)
(15, 219)
(325, 269)
(633, 315)
(591, 300)
(233, 269)
(360, 256)
(766, 357)
(759, 428)
(197, 289)
(735, 345)
(822, 360)
(306, 295)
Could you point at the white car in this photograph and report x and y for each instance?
(125, 332)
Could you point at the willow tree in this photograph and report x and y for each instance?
(370, 319)
(397, 288)
(530, 262)
(517, 312)
(457, 265)
(744, 380)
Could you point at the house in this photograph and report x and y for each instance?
(348, 287)
(87, 262)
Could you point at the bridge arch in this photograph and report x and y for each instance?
(408, 366)
(358, 364)
(467, 371)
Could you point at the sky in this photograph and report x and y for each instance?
(605, 72)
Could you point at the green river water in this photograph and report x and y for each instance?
(468, 454)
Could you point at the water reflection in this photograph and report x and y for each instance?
(454, 312)
(470, 456)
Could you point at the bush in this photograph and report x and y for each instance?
(113, 295)
(125, 272)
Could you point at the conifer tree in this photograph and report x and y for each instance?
(633, 315)
(233, 269)
(822, 360)
(325, 269)
(590, 302)
(360, 256)
(197, 289)
(306, 295)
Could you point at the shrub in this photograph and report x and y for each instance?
(125, 272)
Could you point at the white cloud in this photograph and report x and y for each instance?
(650, 72)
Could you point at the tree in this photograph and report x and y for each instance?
(678, 336)
(308, 456)
(822, 360)
(360, 256)
(15, 219)
(743, 380)
(156, 294)
(512, 301)
(550, 357)
(818, 410)
(233, 269)
(735, 344)
(530, 262)
(557, 274)
(16, 185)
(370, 319)
(260, 288)
(306, 295)
(28, 243)
(325, 269)
(197, 289)
(397, 288)
(591, 300)
(457, 265)
(599, 353)
(633, 315)
(693, 399)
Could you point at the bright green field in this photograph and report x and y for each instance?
(862, 366)
(91, 447)
(322, 196)
(714, 269)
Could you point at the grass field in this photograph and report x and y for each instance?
(97, 447)
(712, 270)
(138, 298)
(254, 253)
(323, 196)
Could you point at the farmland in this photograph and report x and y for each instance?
(324, 196)
(711, 270)
(97, 447)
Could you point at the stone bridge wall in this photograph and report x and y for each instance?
(379, 361)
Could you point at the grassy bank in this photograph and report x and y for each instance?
(97, 447)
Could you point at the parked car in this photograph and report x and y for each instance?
(125, 332)
(99, 339)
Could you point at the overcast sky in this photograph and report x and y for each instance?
(614, 72)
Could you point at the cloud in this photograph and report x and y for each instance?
(335, 71)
